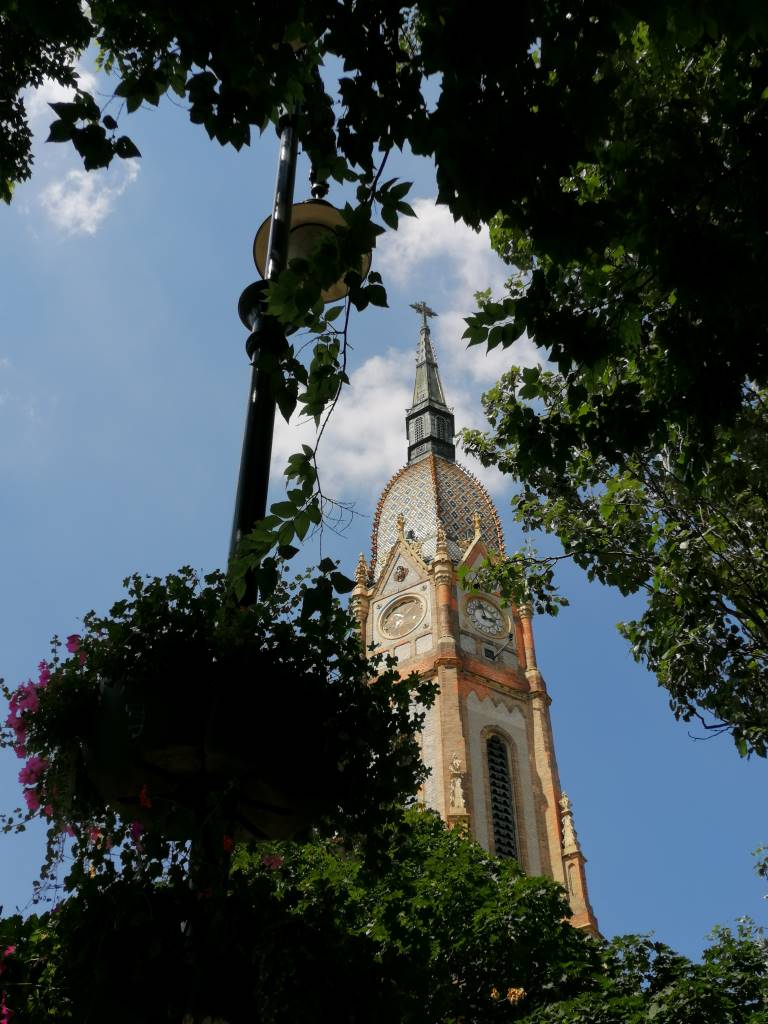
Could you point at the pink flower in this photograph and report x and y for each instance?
(24, 698)
(73, 643)
(9, 951)
(32, 770)
(45, 674)
(32, 799)
(5, 1012)
(48, 811)
(136, 831)
(94, 834)
(272, 861)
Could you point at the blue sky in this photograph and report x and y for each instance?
(123, 381)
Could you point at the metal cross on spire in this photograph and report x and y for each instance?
(425, 311)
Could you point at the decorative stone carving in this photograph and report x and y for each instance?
(361, 572)
(441, 551)
(570, 839)
(400, 573)
(457, 804)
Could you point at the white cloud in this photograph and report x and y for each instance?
(79, 203)
(75, 201)
(483, 367)
(364, 443)
(449, 262)
(434, 234)
(37, 100)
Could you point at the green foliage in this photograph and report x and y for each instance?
(688, 531)
(647, 267)
(646, 981)
(643, 453)
(522, 579)
(164, 723)
(422, 927)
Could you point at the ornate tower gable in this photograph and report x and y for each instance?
(475, 549)
(508, 648)
(402, 568)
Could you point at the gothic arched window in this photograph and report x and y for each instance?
(502, 798)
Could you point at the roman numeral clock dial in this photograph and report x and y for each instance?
(485, 617)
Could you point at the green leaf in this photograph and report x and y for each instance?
(389, 217)
(61, 131)
(284, 509)
(341, 584)
(69, 112)
(398, 191)
(377, 295)
(285, 533)
(302, 524)
(125, 148)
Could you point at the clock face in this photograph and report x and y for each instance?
(485, 617)
(402, 617)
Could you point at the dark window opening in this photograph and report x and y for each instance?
(502, 800)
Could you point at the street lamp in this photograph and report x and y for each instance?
(311, 222)
(294, 230)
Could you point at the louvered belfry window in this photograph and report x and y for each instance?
(502, 800)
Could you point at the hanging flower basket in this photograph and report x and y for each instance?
(180, 709)
(257, 749)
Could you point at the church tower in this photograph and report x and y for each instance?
(488, 737)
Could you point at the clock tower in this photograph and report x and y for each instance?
(488, 738)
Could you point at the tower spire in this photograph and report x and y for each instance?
(429, 423)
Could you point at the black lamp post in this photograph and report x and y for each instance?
(253, 481)
(292, 230)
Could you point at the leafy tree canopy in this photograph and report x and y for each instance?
(694, 544)
(620, 147)
(429, 930)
